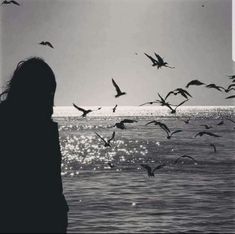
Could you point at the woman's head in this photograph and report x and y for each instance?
(31, 89)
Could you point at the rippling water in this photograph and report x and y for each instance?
(182, 197)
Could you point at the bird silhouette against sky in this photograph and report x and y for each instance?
(121, 124)
(229, 97)
(148, 103)
(119, 92)
(85, 112)
(194, 82)
(106, 142)
(159, 61)
(206, 133)
(214, 86)
(229, 88)
(149, 169)
(46, 43)
(185, 156)
(180, 91)
(10, 2)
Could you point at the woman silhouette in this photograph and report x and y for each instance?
(31, 196)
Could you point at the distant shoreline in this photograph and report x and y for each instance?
(70, 111)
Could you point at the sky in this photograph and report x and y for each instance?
(97, 40)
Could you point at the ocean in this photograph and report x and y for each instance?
(108, 190)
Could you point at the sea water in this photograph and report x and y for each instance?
(187, 196)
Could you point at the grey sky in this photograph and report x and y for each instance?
(96, 40)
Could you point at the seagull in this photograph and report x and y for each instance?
(150, 103)
(85, 112)
(149, 169)
(185, 156)
(177, 91)
(206, 133)
(168, 132)
(121, 124)
(106, 143)
(119, 92)
(233, 96)
(162, 125)
(214, 147)
(220, 123)
(10, 2)
(46, 43)
(159, 62)
(230, 88)
(114, 109)
(214, 86)
(206, 126)
(194, 82)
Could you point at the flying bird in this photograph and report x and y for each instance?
(214, 86)
(150, 103)
(180, 91)
(233, 96)
(46, 43)
(194, 82)
(206, 126)
(114, 109)
(206, 133)
(214, 147)
(185, 156)
(106, 143)
(121, 124)
(10, 2)
(119, 92)
(85, 112)
(162, 125)
(159, 62)
(229, 88)
(149, 169)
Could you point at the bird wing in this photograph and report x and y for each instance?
(153, 121)
(211, 134)
(116, 86)
(79, 108)
(160, 60)
(113, 135)
(184, 91)
(146, 103)
(100, 137)
(187, 156)
(49, 44)
(159, 167)
(182, 103)
(128, 121)
(162, 99)
(148, 168)
(230, 86)
(14, 2)
(233, 96)
(171, 92)
(176, 131)
(151, 58)
(162, 125)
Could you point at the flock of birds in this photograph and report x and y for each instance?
(158, 62)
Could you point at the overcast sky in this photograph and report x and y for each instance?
(96, 40)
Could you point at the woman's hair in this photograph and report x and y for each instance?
(31, 88)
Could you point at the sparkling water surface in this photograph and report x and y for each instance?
(182, 197)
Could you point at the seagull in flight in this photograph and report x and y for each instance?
(206, 133)
(106, 143)
(46, 43)
(180, 91)
(214, 86)
(161, 125)
(159, 61)
(121, 124)
(85, 112)
(185, 156)
(119, 92)
(149, 169)
(148, 103)
(194, 82)
(10, 2)
(233, 96)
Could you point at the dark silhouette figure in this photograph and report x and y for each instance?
(46, 43)
(206, 133)
(194, 82)
(10, 2)
(114, 109)
(31, 197)
(85, 112)
(106, 142)
(118, 90)
(121, 124)
(151, 171)
(180, 91)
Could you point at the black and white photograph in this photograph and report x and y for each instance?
(117, 116)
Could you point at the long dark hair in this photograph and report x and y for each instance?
(31, 89)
